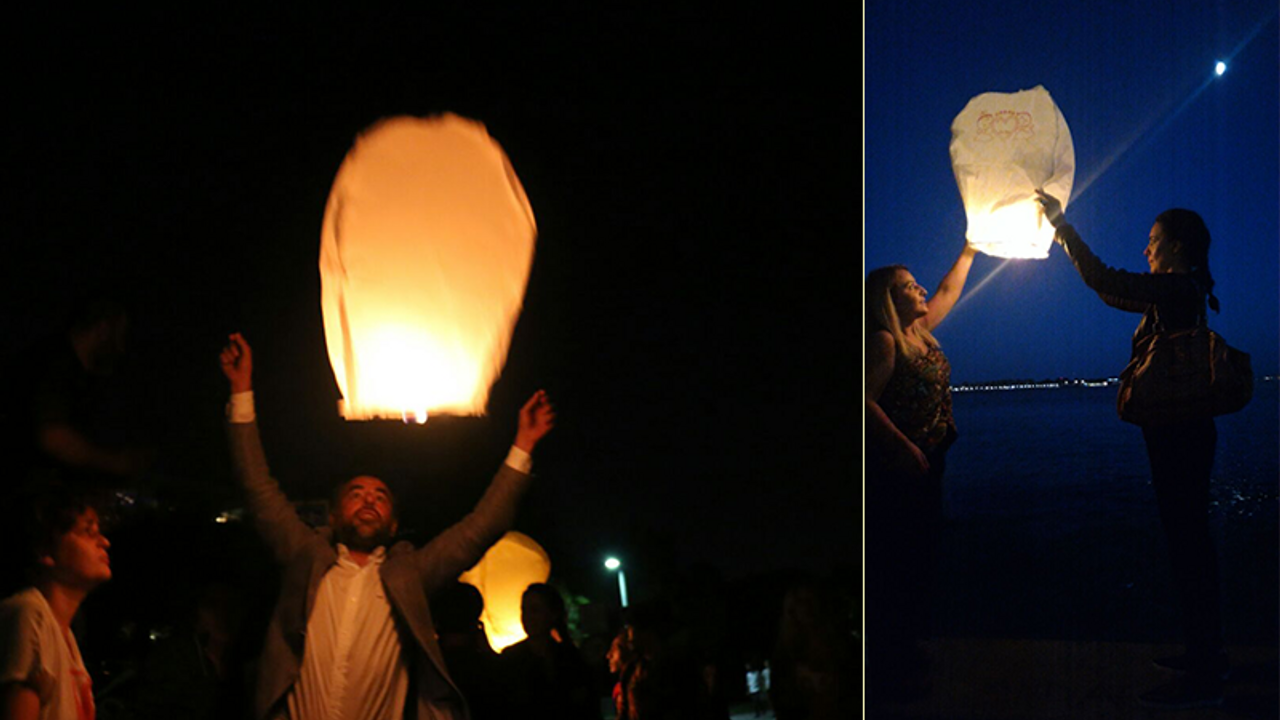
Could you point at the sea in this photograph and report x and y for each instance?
(1052, 530)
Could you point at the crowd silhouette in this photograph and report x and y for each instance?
(220, 632)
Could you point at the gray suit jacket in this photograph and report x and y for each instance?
(409, 576)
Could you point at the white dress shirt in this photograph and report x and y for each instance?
(352, 664)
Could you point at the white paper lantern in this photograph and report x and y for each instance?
(424, 257)
(1003, 147)
(514, 563)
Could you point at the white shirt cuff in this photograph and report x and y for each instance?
(240, 408)
(520, 460)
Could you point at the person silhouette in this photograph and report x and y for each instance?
(1171, 297)
(909, 427)
(352, 628)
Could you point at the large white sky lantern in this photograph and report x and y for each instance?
(424, 257)
(514, 563)
(1003, 147)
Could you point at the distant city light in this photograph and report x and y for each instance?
(1220, 68)
(1034, 384)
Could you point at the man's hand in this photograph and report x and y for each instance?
(537, 417)
(237, 363)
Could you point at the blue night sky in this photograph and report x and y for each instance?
(1153, 128)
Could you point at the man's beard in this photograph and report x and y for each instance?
(350, 535)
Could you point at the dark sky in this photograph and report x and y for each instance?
(1152, 128)
(691, 305)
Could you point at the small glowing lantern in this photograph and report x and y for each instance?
(1003, 147)
(513, 563)
(424, 257)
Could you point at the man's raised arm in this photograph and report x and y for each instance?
(275, 517)
(462, 545)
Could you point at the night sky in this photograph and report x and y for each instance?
(1153, 128)
(692, 307)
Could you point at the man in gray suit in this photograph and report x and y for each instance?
(351, 635)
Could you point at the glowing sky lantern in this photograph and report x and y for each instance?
(424, 257)
(1003, 147)
(514, 563)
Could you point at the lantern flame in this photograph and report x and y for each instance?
(994, 232)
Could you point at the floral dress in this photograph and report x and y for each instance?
(918, 399)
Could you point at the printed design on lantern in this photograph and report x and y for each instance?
(1006, 124)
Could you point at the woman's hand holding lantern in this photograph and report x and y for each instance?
(1051, 206)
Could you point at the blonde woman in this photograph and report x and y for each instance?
(909, 427)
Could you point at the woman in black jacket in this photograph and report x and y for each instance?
(1172, 296)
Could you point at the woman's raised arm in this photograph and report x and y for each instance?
(949, 290)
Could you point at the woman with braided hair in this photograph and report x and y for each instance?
(1171, 297)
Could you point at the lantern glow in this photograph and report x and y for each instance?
(514, 563)
(1003, 147)
(425, 252)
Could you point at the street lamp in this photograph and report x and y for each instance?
(614, 563)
